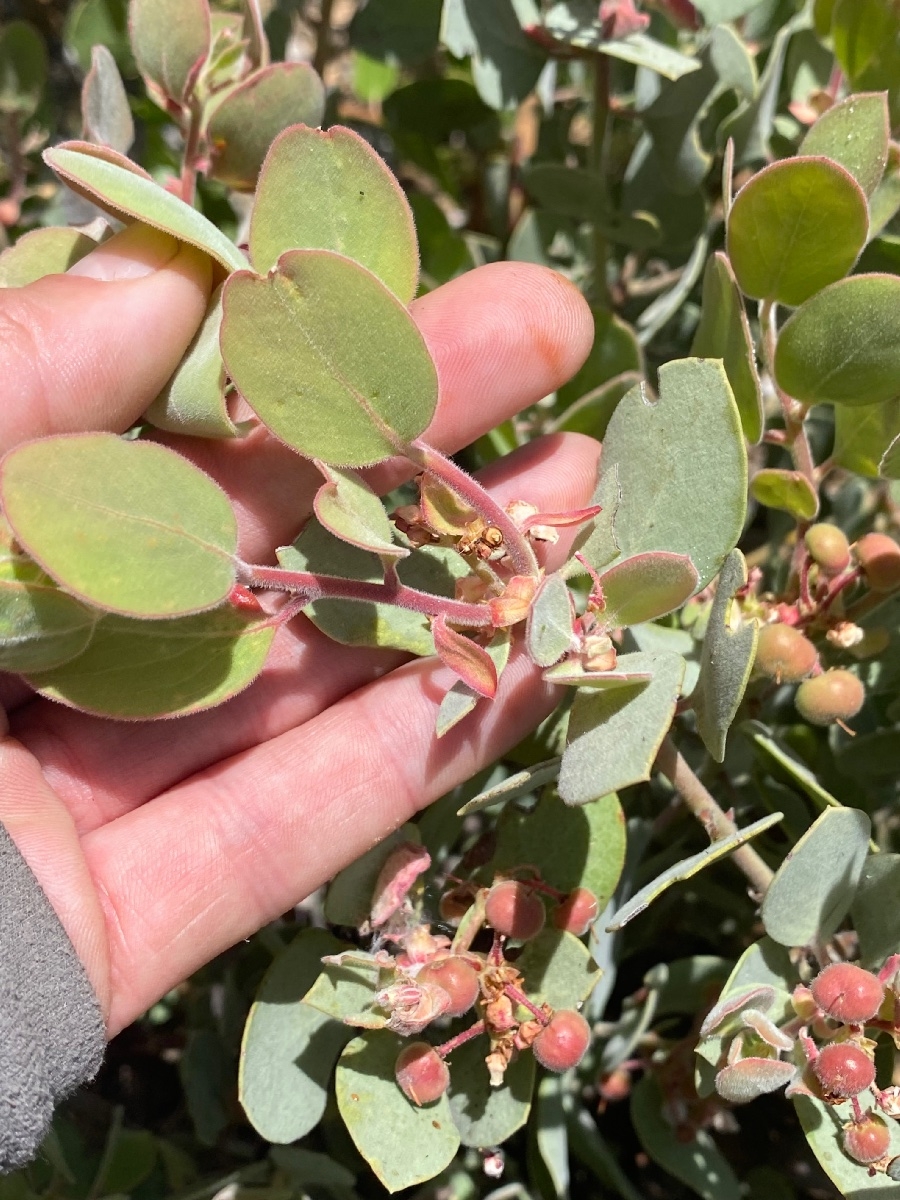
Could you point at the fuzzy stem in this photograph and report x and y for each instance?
(795, 432)
(468, 489)
(518, 997)
(330, 587)
(191, 153)
(671, 763)
(461, 1038)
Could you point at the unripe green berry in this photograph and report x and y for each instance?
(578, 912)
(421, 1073)
(514, 910)
(784, 653)
(458, 979)
(562, 1043)
(843, 1069)
(867, 1140)
(879, 557)
(847, 993)
(835, 696)
(828, 547)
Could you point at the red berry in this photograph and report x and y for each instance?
(562, 1043)
(847, 993)
(514, 910)
(828, 547)
(421, 1073)
(867, 1140)
(578, 912)
(843, 1069)
(879, 557)
(835, 696)
(784, 653)
(458, 979)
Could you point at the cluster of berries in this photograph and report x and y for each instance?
(491, 984)
(786, 654)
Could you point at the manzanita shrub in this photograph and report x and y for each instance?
(720, 179)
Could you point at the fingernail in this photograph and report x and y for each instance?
(137, 251)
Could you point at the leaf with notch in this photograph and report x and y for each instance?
(346, 376)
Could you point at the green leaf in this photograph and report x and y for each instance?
(780, 239)
(432, 569)
(592, 412)
(864, 434)
(573, 673)
(814, 887)
(404, 32)
(43, 252)
(308, 1167)
(728, 653)
(346, 376)
(583, 196)
(505, 63)
(548, 634)
(137, 670)
(485, 1115)
(798, 771)
(714, 12)
(289, 1049)
(644, 587)
(870, 758)
(575, 24)
(823, 1126)
(329, 190)
(614, 736)
(790, 491)
(855, 133)
(687, 868)
(171, 39)
(403, 1144)
(349, 897)
(596, 541)
(682, 466)
(551, 1132)
(558, 969)
(40, 626)
(98, 22)
(875, 907)
(249, 118)
(128, 526)
(23, 69)
(193, 401)
(105, 111)
(865, 44)
(206, 1071)
(615, 352)
(522, 783)
(346, 993)
(120, 187)
(698, 1163)
(843, 345)
(347, 507)
(572, 847)
(884, 202)
(130, 1158)
(724, 332)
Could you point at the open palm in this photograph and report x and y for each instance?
(162, 843)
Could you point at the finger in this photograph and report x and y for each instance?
(92, 348)
(210, 862)
(105, 768)
(502, 338)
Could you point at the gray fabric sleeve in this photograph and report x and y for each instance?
(51, 1028)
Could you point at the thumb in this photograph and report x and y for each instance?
(92, 348)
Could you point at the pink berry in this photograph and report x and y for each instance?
(844, 1070)
(784, 653)
(847, 993)
(514, 910)
(879, 557)
(578, 912)
(458, 979)
(867, 1140)
(834, 696)
(421, 1073)
(562, 1043)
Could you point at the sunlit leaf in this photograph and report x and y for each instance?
(575, 23)
(646, 586)
(465, 657)
(120, 187)
(548, 632)
(348, 508)
(780, 239)
(823, 1126)
(485, 1115)
(874, 909)
(855, 133)
(171, 39)
(505, 63)
(788, 490)
(863, 435)
(558, 969)
(521, 783)
(250, 116)
(43, 252)
(329, 190)
(461, 699)
(105, 111)
(40, 626)
(346, 376)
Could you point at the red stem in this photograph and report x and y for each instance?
(518, 996)
(461, 1038)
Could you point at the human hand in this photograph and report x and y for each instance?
(160, 844)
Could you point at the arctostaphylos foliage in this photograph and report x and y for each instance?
(681, 893)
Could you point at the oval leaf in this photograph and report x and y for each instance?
(843, 346)
(469, 660)
(646, 586)
(120, 187)
(558, 969)
(329, 190)
(461, 699)
(244, 125)
(814, 887)
(749, 1078)
(346, 376)
(548, 634)
(170, 39)
(138, 670)
(40, 626)
(485, 1115)
(105, 111)
(781, 239)
(855, 133)
(349, 509)
(787, 490)
(875, 907)
(130, 527)
(43, 252)
(823, 1126)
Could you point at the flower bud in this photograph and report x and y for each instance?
(421, 1073)
(843, 1069)
(835, 696)
(828, 547)
(562, 1043)
(514, 910)
(847, 993)
(784, 653)
(879, 557)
